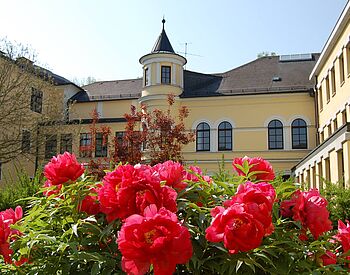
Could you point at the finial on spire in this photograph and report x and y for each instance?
(163, 21)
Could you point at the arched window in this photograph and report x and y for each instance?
(275, 133)
(203, 137)
(299, 134)
(225, 136)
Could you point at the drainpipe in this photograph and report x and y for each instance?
(316, 113)
(36, 150)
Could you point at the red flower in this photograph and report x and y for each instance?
(7, 218)
(194, 172)
(263, 195)
(90, 203)
(55, 191)
(130, 189)
(259, 169)
(328, 258)
(172, 173)
(344, 236)
(237, 226)
(156, 238)
(63, 168)
(311, 210)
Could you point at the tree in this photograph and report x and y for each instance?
(28, 99)
(149, 137)
(84, 81)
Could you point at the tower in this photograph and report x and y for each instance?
(162, 73)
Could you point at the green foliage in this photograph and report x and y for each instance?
(59, 239)
(338, 199)
(22, 187)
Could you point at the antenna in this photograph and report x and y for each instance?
(186, 53)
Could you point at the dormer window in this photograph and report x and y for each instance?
(146, 77)
(166, 73)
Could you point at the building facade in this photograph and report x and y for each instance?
(292, 110)
(330, 160)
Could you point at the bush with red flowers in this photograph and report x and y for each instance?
(169, 219)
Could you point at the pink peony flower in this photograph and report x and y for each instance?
(54, 191)
(7, 218)
(310, 208)
(63, 168)
(260, 169)
(156, 238)
(130, 189)
(172, 173)
(90, 204)
(328, 258)
(237, 226)
(194, 172)
(262, 195)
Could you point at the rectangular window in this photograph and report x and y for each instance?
(348, 58)
(166, 74)
(85, 148)
(320, 98)
(329, 130)
(321, 137)
(327, 169)
(341, 68)
(146, 77)
(333, 81)
(101, 145)
(335, 124)
(25, 141)
(119, 137)
(328, 91)
(36, 101)
(50, 146)
(344, 117)
(320, 175)
(66, 143)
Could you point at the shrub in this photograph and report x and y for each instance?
(23, 187)
(338, 201)
(128, 223)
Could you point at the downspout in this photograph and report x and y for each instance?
(36, 150)
(316, 113)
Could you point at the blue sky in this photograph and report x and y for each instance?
(105, 39)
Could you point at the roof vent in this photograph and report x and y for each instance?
(276, 78)
(296, 57)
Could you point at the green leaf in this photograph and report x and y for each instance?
(238, 265)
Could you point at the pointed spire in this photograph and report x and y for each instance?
(162, 44)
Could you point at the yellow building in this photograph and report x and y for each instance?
(330, 159)
(268, 107)
(31, 97)
(250, 110)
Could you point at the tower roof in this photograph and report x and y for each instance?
(162, 44)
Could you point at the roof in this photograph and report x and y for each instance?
(261, 76)
(162, 44)
(337, 31)
(110, 90)
(265, 75)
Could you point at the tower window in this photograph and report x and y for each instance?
(146, 77)
(166, 74)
